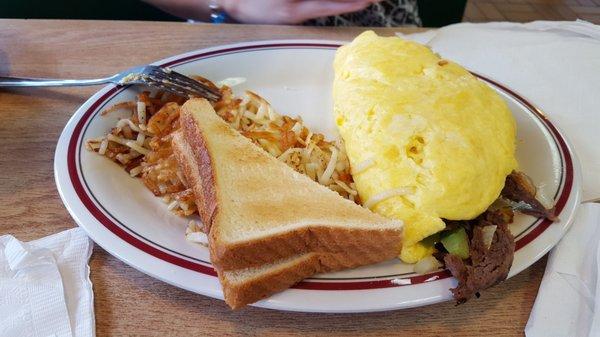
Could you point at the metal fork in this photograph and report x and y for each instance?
(153, 76)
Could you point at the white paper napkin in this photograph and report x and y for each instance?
(567, 303)
(45, 288)
(556, 65)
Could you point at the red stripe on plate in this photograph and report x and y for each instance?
(240, 48)
(364, 285)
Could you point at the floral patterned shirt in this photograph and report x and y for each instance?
(386, 13)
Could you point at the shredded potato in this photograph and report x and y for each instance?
(289, 140)
(142, 144)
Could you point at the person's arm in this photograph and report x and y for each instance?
(262, 11)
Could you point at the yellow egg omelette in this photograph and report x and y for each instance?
(426, 139)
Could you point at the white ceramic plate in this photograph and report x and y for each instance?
(123, 217)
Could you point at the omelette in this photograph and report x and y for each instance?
(427, 141)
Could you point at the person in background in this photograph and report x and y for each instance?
(385, 13)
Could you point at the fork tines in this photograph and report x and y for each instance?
(181, 84)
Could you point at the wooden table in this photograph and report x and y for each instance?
(127, 302)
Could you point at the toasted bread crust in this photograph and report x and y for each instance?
(238, 295)
(198, 170)
(360, 246)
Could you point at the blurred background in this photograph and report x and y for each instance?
(530, 10)
(433, 13)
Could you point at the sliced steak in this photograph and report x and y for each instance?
(519, 188)
(487, 266)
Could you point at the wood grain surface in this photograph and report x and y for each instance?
(127, 302)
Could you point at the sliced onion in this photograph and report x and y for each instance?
(197, 237)
(427, 264)
(193, 233)
(488, 235)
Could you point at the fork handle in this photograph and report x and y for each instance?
(6, 81)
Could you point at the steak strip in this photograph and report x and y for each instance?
(487, 266)
(519, 188)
